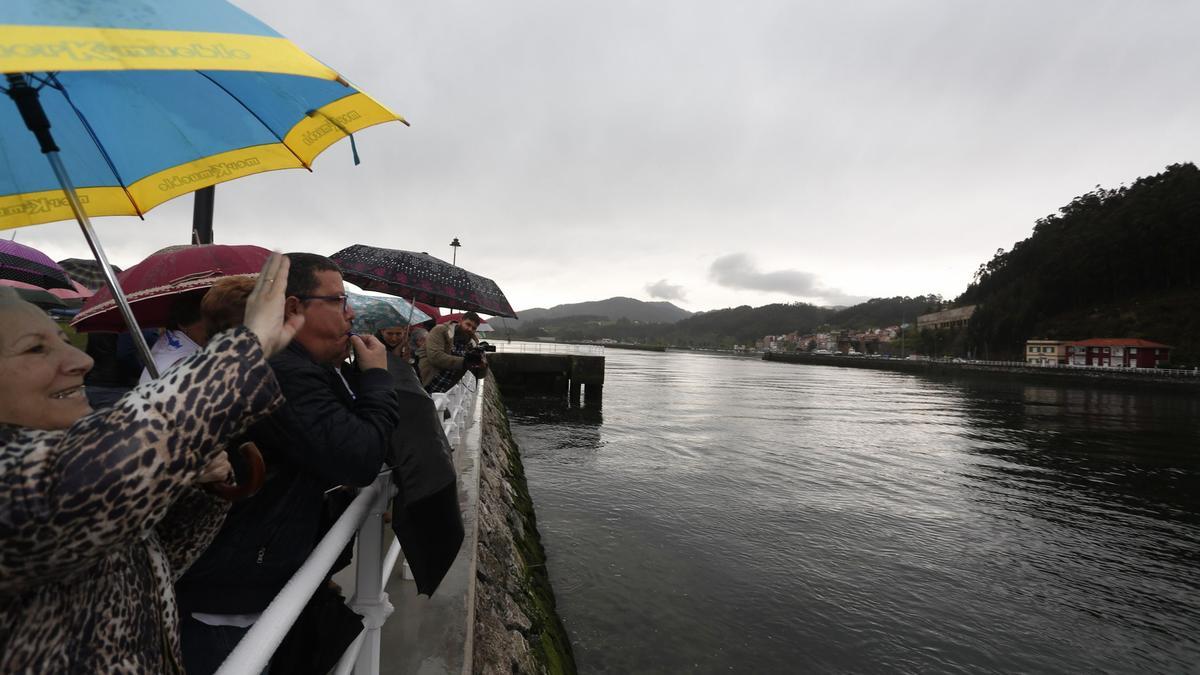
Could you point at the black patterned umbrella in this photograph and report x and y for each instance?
(422, 277)
(26, 264)
(86, 271)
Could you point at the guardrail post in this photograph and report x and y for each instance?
(370, 600)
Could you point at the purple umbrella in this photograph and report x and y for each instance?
(19, 262)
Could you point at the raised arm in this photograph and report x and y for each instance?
(69, 498)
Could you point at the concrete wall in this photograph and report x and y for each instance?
(516, 626)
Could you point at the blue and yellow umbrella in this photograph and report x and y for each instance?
(135, 102)
(148, 101)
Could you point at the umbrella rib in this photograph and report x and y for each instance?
(54, 83)
(255, 115)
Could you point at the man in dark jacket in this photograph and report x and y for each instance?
(324, 436)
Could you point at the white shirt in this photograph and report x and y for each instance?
(170, 348)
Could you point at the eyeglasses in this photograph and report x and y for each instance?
(341, 299)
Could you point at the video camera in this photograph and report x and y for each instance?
(474, 361)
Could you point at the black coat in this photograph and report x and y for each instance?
(425, 513)
(322, 437)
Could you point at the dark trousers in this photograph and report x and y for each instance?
(205, 647)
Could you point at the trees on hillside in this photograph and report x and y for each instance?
(1104, 247)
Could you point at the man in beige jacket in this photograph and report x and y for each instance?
(444, 363)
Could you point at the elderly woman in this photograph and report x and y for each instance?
(99, 512)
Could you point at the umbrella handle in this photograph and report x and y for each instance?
(253, 482)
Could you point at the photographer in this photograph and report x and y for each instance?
(450, 352)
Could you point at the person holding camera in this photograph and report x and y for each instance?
(451, 352)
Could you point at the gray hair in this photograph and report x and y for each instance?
(415, 335)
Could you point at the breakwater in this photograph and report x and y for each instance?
(1123, 378)
(516, 625)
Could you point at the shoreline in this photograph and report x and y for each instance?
(1096, 377)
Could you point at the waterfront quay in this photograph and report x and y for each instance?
(550, 369)
(1122, 377)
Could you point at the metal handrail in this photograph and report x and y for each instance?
(373, 568)
(258, 645)
(548, 348)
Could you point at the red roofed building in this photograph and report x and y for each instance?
(1118, 352)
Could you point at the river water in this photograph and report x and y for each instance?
(726, 514)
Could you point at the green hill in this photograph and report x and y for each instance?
(884, 312)
(1113, 263)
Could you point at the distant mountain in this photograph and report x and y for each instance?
(614, 308)
(663, 323)
(745, 324)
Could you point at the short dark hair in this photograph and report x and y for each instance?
(302, 275)
(472, 316)
(185, 310)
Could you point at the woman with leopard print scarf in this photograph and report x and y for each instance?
(100, 511)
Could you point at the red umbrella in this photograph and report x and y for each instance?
(153, 284)
(428, 309)
(77, 291)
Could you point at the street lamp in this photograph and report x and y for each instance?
(454, 245)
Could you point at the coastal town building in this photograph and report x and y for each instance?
(1118, 352)
(1046, 352)
(956, 317)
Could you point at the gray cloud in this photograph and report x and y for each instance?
(665, 290)
(573, 146)
(738, 271)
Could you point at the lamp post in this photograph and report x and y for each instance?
(454, 245)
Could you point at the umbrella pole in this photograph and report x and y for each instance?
(30, 107)
(93, 241)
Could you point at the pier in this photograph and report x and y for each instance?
(526, 369)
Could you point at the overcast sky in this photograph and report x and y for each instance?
(713, 153)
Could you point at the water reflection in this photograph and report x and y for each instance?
(729, 514)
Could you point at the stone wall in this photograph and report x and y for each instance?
(517, 629)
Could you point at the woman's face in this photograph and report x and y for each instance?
(42, 373)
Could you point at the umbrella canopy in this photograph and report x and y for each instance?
(155, 283)
(31, 293)
(432, 311)
(150, 101)
(26, 264)
(373, 313)
(77, 292)
(85, 271)
(421, 277)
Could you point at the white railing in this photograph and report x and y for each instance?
(548, 348)
(373, 565)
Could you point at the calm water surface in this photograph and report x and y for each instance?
(727, 514)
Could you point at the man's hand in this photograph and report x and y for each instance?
(369, 352)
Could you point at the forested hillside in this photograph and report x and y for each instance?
(745, 324)
(730, 326)
(1105, 262)
(883, 312)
